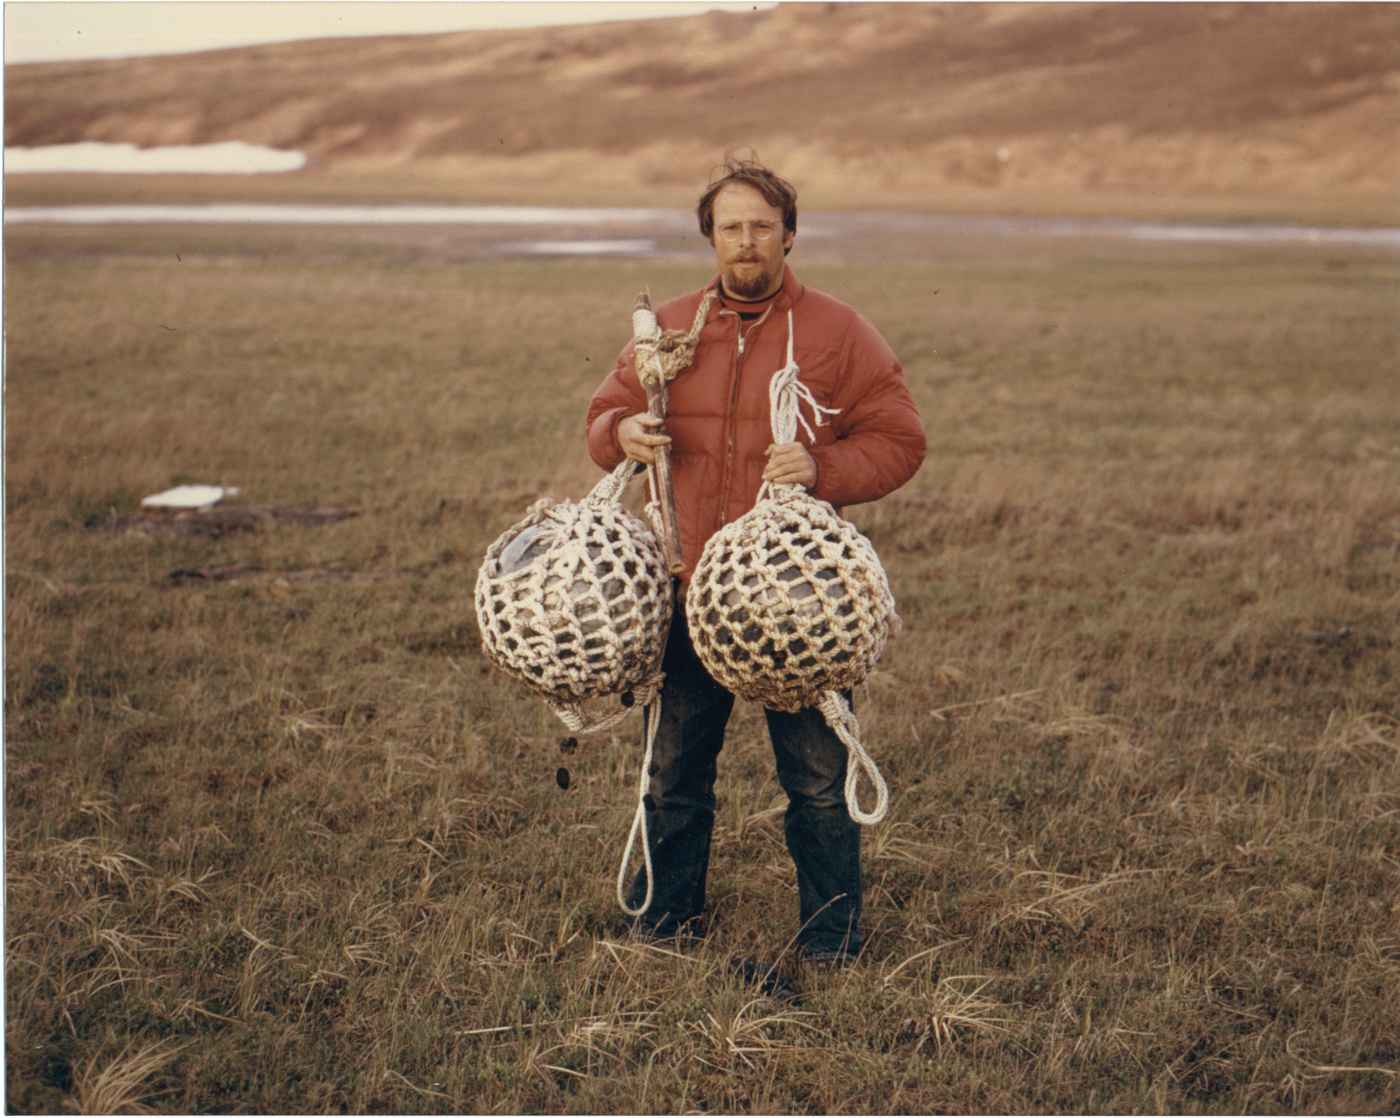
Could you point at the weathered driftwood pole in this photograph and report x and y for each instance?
(647, 332)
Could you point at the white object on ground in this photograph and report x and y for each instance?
(189, 497)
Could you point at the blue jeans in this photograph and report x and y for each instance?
(680, 807)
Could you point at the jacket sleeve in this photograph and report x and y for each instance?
(619, 396)
(880, 440)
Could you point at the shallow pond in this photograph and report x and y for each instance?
(575, 231)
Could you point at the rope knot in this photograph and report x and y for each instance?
(662, 355)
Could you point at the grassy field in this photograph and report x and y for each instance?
(279, 839)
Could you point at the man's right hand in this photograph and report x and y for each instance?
(640, 435)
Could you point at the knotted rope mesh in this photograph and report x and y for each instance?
(575, 600)
(789, 605)
(789, 601)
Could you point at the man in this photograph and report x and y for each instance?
(720, 435)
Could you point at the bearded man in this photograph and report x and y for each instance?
(719, 432)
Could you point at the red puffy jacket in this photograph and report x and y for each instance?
(718, 410)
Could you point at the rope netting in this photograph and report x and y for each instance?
(574, 601)
(789, 604)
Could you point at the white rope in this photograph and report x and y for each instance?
(610, 486)
(787, 394)
(651, 716)
(652, 508)
(661, 355)
(841, 719)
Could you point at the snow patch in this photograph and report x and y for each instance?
(637, 247)
(231, 158)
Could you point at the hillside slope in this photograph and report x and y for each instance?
(855, 100)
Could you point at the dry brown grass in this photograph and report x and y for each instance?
(119, 1087)
(287, 843)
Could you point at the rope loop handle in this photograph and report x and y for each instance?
(842, 720)
(652, 717)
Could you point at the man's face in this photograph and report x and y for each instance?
(749, 242)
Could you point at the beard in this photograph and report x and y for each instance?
(750, 284)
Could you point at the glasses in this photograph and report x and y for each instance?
(758, 230)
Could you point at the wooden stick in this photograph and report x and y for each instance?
(661, 466)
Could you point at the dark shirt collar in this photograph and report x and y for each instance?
(746, 308)
(786, 296)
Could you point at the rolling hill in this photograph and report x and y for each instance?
(1250, 108)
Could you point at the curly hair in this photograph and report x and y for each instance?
(776, 191)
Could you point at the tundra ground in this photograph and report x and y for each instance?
(279, 839)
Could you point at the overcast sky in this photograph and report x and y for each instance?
(49, 30)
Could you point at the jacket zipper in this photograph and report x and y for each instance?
(730, 445)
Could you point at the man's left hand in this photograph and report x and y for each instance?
(790, 464)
